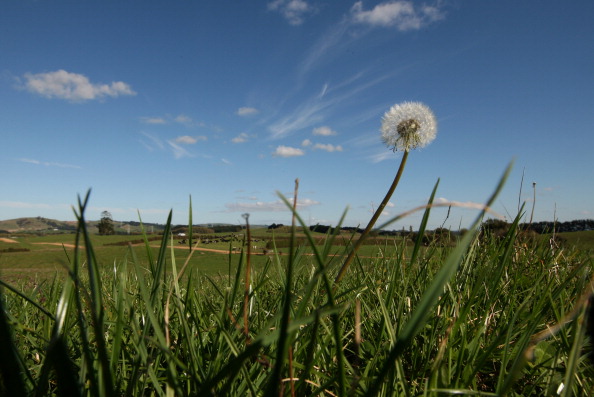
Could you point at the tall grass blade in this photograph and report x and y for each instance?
(11, 381)
(423, 225)
(431, 295)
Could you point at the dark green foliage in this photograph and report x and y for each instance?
(105, 225)
(13, 249)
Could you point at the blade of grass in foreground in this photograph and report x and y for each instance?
(11, 382)
(105, 382)
(432, 294)
(57, 353)
(337, 332)
(423, 225)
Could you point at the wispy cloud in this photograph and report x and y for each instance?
(246, 111)
(178, 150)
(294, 11)
(153, 142)
(153, 120)
(48, 163)
(173, 145)
(271, 206)
(334, 37)
(73, 87)
(21, 204)
(315, 109)
(403, 15)
(287, 151)
(381, 156)
(189, 140)
(167, 119)
(328, 147)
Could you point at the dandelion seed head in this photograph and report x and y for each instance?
(408, 125)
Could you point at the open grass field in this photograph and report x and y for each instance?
(33, 257)
(483, 315)
(37, 257)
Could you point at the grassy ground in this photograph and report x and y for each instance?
(487, 316)
(48, 255)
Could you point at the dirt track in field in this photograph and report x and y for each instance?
(59, 244)
(7, 240)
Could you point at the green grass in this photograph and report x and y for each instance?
(487, 316)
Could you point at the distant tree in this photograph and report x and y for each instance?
(105, 225)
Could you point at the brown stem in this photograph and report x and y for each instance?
(372, 221)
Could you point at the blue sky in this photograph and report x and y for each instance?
(150, 102)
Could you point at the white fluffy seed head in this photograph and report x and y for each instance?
(408, 125)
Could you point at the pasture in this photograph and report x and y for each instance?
(143, 315)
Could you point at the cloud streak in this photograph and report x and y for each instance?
(73, 87)
(404, 15)
(20, 204)
(272, 206)
(246, 111)
(172, 145)
(179, 119)
(189, 140)
(49, 163)
(316, 108)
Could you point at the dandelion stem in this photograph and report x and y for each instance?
(372, 221)
(248, 270)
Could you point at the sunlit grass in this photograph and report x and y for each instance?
(489, 315)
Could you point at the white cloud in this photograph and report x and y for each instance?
(328, 147)
(287, 151)
(49, 163)
(293, 10)
(189, 140)
(306, 142)
(225, 161)
(241, 138)
(323, 131)
(72, 86)
(271, 206)
(401, 14)
(246, 111)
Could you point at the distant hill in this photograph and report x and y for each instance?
(48, 226)
(31, 225)
(45, 225)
